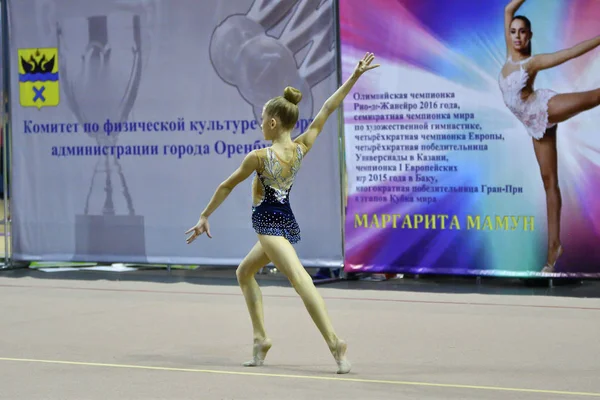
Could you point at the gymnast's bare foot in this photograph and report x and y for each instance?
(339, 353)
(259, 352)
(556, 251)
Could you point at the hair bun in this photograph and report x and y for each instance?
(292, 95)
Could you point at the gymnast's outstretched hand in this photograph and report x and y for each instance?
(364, 65)
(198, 229)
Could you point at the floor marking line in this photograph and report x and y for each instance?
(282, 296)
(323, 378)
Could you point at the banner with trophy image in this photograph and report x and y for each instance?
(443, 177)
(127, 115)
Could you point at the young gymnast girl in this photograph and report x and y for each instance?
(272, 217)
(541, 110)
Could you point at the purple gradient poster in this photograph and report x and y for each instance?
(441, 176)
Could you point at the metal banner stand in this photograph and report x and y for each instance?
(338, 276)
(341, 142)
(6, 134)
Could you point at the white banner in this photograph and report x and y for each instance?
(127, 114)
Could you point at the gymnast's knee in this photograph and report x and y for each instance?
(242, 274)
(550, 182)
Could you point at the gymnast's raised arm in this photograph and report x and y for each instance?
(546, 61)
(312, 132)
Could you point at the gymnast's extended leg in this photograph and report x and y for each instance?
(283, 255)
(250, 265)
(567, 105)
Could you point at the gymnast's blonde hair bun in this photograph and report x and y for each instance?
(292, 95)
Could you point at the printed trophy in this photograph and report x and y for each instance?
(243, 55)
(100, 81)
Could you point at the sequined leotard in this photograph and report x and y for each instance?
(531, 111)
(271, 211)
